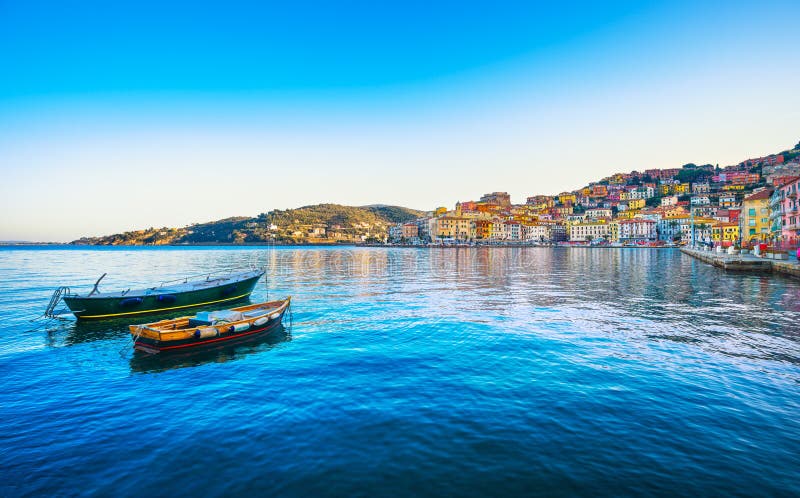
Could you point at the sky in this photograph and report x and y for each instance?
(125, 115)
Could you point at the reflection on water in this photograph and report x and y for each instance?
(494, 371)
(221, 353)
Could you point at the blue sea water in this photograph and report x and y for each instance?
(455, 372)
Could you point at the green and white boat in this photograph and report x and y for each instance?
(207, 289)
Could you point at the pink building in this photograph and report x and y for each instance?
(785, 215)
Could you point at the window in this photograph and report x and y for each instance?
(751, 212)
(752, 223)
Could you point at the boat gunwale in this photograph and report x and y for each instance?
(233, 278)
(154, 332)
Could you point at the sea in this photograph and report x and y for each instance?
(410, 371)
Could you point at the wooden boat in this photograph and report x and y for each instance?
(206, 289)
(205, 328)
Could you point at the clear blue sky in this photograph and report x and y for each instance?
(112, 115)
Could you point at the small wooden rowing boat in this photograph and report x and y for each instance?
(203, 290)
(180, 334)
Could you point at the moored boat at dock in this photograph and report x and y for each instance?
(206, 328)
(206, 289)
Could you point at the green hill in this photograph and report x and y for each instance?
(322, 223)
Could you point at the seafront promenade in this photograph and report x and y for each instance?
(745, 262)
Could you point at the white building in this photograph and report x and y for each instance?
(674, 228)
(597, 213)
(670, 200)
(582, 232)
(512, 230)
(536, 232)
(637, 230)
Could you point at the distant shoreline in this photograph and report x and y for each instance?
(267, 245)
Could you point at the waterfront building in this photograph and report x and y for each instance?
(672, 228)
(699, 232)
(724, 233)
(457, 228)
(483, 229)
(426, 228)
(754, 219)
(637, 230)
(395, 232)
(512, 231)
(536, 232)
(727, 200)
(590, 230)
(497, 230)
(785, 213)
(558, 232)
(410, 232)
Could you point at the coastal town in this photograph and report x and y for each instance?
(752, 202)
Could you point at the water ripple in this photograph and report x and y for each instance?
(492, 371)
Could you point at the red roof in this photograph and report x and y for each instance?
(764, 194)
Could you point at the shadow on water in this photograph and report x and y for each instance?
(146, 363)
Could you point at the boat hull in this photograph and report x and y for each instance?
(154, 346)
(98, 308)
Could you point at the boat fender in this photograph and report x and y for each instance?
(261, 321)
(205, 332)
(239, 327)
(166, 298)
(131, 301)
(274, 315)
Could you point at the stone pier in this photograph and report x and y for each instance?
(744, 262)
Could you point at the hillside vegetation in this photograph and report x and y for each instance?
(322, 223)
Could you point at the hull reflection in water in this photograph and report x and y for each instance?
(225, 352)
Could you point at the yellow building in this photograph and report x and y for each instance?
(663, 189)
(729, 188)
(440, 211)
(725, 233)
(682, 188)
(452, 227)
(566, 197)
(754, 217)
(613, 229)
(636, 204)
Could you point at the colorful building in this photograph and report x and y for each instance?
(754, 217)
(637, 230)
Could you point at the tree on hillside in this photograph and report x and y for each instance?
(688, 175)
(653, 202)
